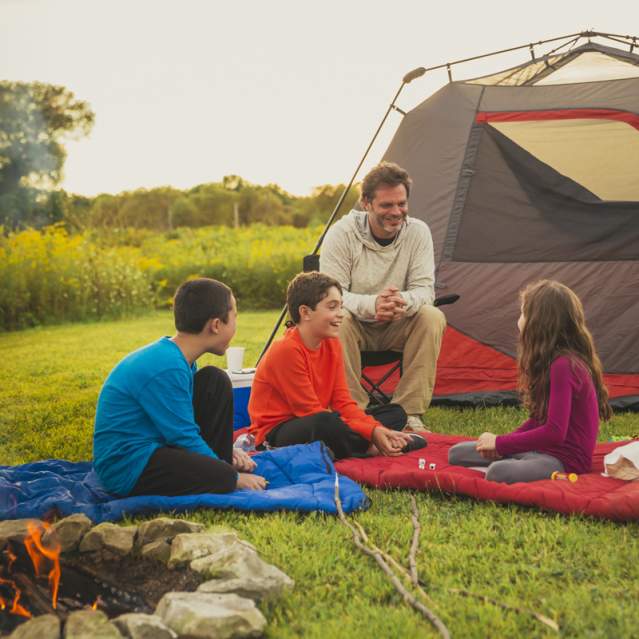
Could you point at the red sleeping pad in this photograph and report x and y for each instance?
(591, 494)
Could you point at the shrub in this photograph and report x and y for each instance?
(51, 276)
(256, 261)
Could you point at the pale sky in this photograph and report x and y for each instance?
(188, 91)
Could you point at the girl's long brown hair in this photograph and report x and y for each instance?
(554, 325)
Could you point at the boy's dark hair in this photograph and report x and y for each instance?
(384, 174)
(197, 301)
(307, 289)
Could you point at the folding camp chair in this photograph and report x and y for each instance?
(376, 386)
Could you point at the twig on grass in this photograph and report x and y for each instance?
(360, 539)
(465, 593)
(414, 546)
(391, 560)
(524, 611)
(385, 561)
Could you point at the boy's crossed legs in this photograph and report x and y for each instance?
(329, 428)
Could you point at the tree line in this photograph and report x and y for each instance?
(214, 203)
(36, 119)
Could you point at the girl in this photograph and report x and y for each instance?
(561, 381)
(299, 393)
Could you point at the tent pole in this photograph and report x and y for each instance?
(614, 35)
(576, 36)
(570, 43)
(616, 39)
(416, 73)
(509, 50)
(409, 77)
(345, 192)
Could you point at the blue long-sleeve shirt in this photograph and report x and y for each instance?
(146, 403)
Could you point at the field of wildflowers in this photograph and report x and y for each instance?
(51, 276)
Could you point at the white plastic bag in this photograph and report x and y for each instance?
(623, 462)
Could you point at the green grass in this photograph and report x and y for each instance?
(580, 572)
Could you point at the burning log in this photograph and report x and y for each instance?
(137, 602)
(26, 598)
(40, 554)
(38, 602)
(36, 582)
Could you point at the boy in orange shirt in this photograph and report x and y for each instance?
(299, 392)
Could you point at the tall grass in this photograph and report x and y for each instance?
(50, 276)
(256, 261)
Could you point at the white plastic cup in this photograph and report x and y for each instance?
(235, 358)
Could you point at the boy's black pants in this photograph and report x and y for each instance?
(176, 471)
(329, 428)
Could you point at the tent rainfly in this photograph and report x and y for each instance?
(526, 174)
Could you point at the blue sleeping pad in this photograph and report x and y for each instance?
(301, 478)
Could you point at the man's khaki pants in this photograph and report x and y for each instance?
(419, 339)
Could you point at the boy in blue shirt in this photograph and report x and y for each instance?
(164, 428)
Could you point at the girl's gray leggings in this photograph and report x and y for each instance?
(530, 466)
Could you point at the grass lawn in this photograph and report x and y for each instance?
(582, 573)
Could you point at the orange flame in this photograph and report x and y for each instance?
(40, 554)
(95, 604)
(16, 608)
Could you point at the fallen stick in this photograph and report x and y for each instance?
(360, 539)
(414, 546)
(524, 611)
(385, 560)
(393, 562)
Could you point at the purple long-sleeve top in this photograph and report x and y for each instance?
(570, 430)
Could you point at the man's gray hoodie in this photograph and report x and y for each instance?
(364, 268)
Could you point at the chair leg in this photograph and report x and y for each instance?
(375, 392)
(389, 372)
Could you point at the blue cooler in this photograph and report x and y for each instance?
(242, 383)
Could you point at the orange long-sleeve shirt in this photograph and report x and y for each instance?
(294, 381)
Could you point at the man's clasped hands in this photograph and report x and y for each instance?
(390, 305)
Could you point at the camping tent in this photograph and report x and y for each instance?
(526, 174)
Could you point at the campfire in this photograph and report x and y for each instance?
(18, 583)
(34, 580)
(158, 577)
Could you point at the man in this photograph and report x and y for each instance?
(384, 261)
(161, 428)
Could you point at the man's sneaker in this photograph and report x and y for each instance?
(415, 424)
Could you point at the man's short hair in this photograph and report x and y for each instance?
(384, 174)
(307, 289)
(198, 301)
